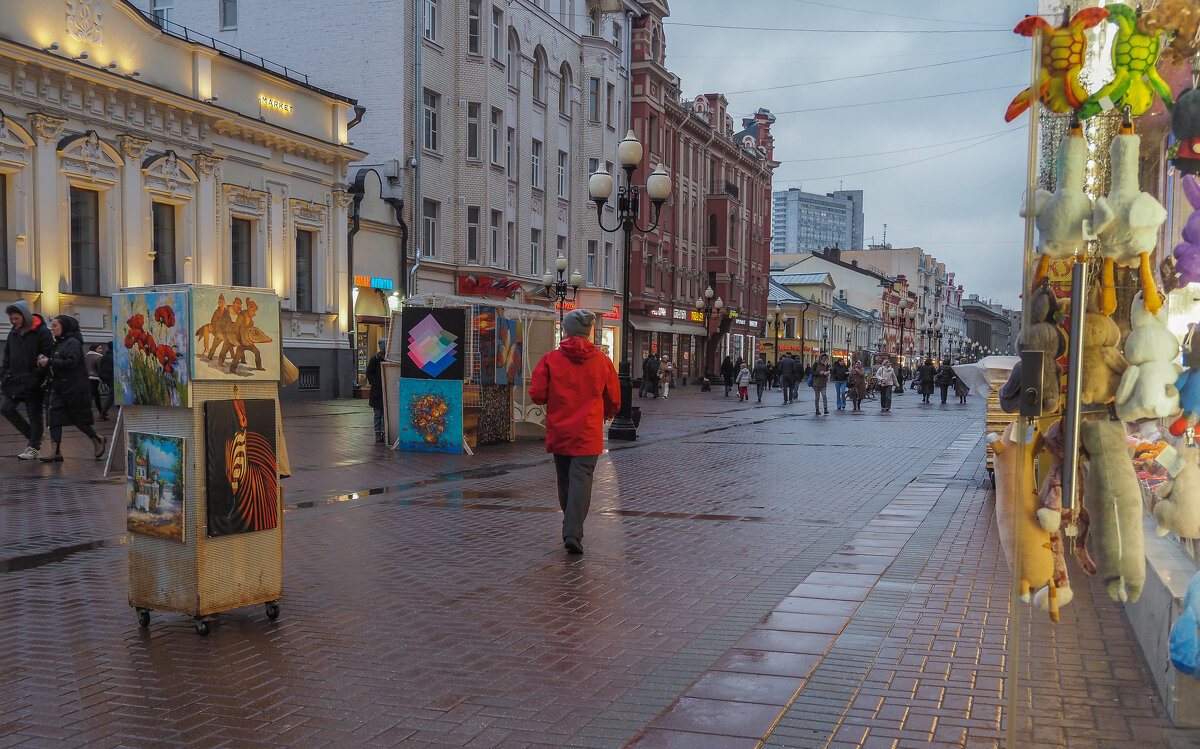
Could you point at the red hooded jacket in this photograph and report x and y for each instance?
(579, 387)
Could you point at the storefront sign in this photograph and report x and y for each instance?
(487, 286)
(754, 323)
(659, 312)
(564, 306)
(272, 103)
(374, 283)
(680, 314)
(697, 316)
(615, 314)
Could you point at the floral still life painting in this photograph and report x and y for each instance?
(151, 349)
(431, 415)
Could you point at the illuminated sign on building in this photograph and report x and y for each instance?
(615, 314)
(697, 316)
(374, 283)
(275, 104)
(659, 311)
(680, 314)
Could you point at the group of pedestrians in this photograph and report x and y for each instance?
(46, 372)
(942, 377)
(658, 374)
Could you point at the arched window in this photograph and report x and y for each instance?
(514, 54)
(539, 75)
(564, 90)
(712, 230)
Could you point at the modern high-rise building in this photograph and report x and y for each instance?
(807, 222)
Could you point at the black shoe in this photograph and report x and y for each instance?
(827, 412)
(572, 545)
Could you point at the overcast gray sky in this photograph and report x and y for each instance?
(927, 143)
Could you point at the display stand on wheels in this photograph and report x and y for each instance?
(197, 372)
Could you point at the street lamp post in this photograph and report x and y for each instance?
(775, 320)
(556, 288)
(849, 338)
(803, 319)
(937, 332)
(706, 306)
(629, 204)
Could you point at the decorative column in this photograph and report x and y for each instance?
(48, 207)
(339, 255)
(203, 268)
(136, 268)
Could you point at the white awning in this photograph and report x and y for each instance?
(651, 325)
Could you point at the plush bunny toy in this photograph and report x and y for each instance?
(1187, 252)
(1147, 389)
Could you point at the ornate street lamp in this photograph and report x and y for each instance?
(803, 319)
(556, 288)
(775, 320)
(629, 206)
(706, 307)
(849, 338)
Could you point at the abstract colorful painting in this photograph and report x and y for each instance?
(485, 344)
(508, 352)
(495, 415)
(236, 334)
(431, 415)
(154, 485)
(151, 349)
(433, 343)
(241, 476)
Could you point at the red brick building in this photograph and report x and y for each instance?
(715, 229)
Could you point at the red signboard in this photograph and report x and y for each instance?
(487, 286)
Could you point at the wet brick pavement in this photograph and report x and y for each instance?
(753, 576)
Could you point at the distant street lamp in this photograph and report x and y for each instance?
(556, 288)
(706, 307)
(775, 320)
(629, 206)
(850, 338)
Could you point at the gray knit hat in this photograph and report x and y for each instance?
(578, 322)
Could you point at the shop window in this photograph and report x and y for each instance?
(163, 219)
(241, 251)
(304, 270)
(85, 241)
(473, 234)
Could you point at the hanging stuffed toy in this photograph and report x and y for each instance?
(1126, 222)
(1115, 500)
(1188, 385)
(1062, 51)
(1044, 335)
(1184, 643)
(1102, 365)
(1060, 215)
(1181, 20)
(1185, 126)
(1135, 80)
(1051, 517)
(1147, 389)
(1178, 508)
(1187, 252)
(1017, 501)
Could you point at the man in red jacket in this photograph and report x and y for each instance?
(579, 387)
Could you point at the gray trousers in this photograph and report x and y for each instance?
(574, 491)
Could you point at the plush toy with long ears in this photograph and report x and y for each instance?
(1148, 387)
(1188, 385)
(1135, 80)
(1115, 500)
(1126, 222)
(1187, 252)
(1059, 215)
(1062, 51)
(1051, 517)
(1017, 503)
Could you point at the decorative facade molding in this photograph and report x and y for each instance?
(246, 200)
(343, 199)
(209, 166)
(15, 143)
(132, 148)
(85, 22)
(168, 174)
(90, 158)
(48, 128)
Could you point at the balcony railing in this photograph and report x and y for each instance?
(721, 187)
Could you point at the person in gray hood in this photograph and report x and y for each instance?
(20, 378)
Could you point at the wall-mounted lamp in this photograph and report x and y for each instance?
(134, 74)
(212, 99)
(82, 56)
(52, 48)
(112, 65)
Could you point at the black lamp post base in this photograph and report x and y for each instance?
(622, 427)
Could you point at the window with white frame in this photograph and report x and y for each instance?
(229, 14)
(561, 246)
(564, 90)
(514, 49)
(593, 21)
(610, 110)
(593, 165)
(497, 30)
(539, 77)
(591, 262)
(511, 148)
(305, 241)
(494, 227)
(495, 124)
(473, 152)
(535, 252)
(594, 99)
(563, 181)
(162, 219)
(535, 160)
(85, 241)
(163, 10)
(429, 227)
(474, 32)
(616, 38)
(511, 260)
(431, 20)
(241, 252)
(608, 265)
(429, 108)
(473, 234)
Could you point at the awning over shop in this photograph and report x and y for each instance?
(648, 325)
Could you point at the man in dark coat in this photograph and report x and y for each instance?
(20, 377)
(727, 373)
(787, 376)
(650, 376)
(925, 378)
(840, 374)
(761, 375)
(375, 398)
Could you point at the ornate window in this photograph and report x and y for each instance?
(514, 57)
(91, 167)
(171, 184)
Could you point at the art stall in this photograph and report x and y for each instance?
(1098, 474)
(197, 373)
(455, 373)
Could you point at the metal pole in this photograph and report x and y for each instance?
(1074, 383)
(622, 427)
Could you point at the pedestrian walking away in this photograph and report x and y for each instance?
(819, 382)
(579, 387)
(727, 373)
(926, 374)
(743, 382)
(650, 376)
(961, 389)
(787, 377)
(762, 375)
(91, 362)
(886, 377)
(375, 398)
(944, 378)
(70, 396)
(840, 374)
(856, 385)
(20, 376)
(666, 374)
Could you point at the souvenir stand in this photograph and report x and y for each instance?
(1101, 460)
(197, 375)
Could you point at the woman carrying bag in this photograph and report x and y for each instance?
(70, 392)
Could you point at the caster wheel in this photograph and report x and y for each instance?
(143, 616)
(272, 610)
(202, 628)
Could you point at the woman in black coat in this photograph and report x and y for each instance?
(375, 397)
(925, 377)
(70, 391)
